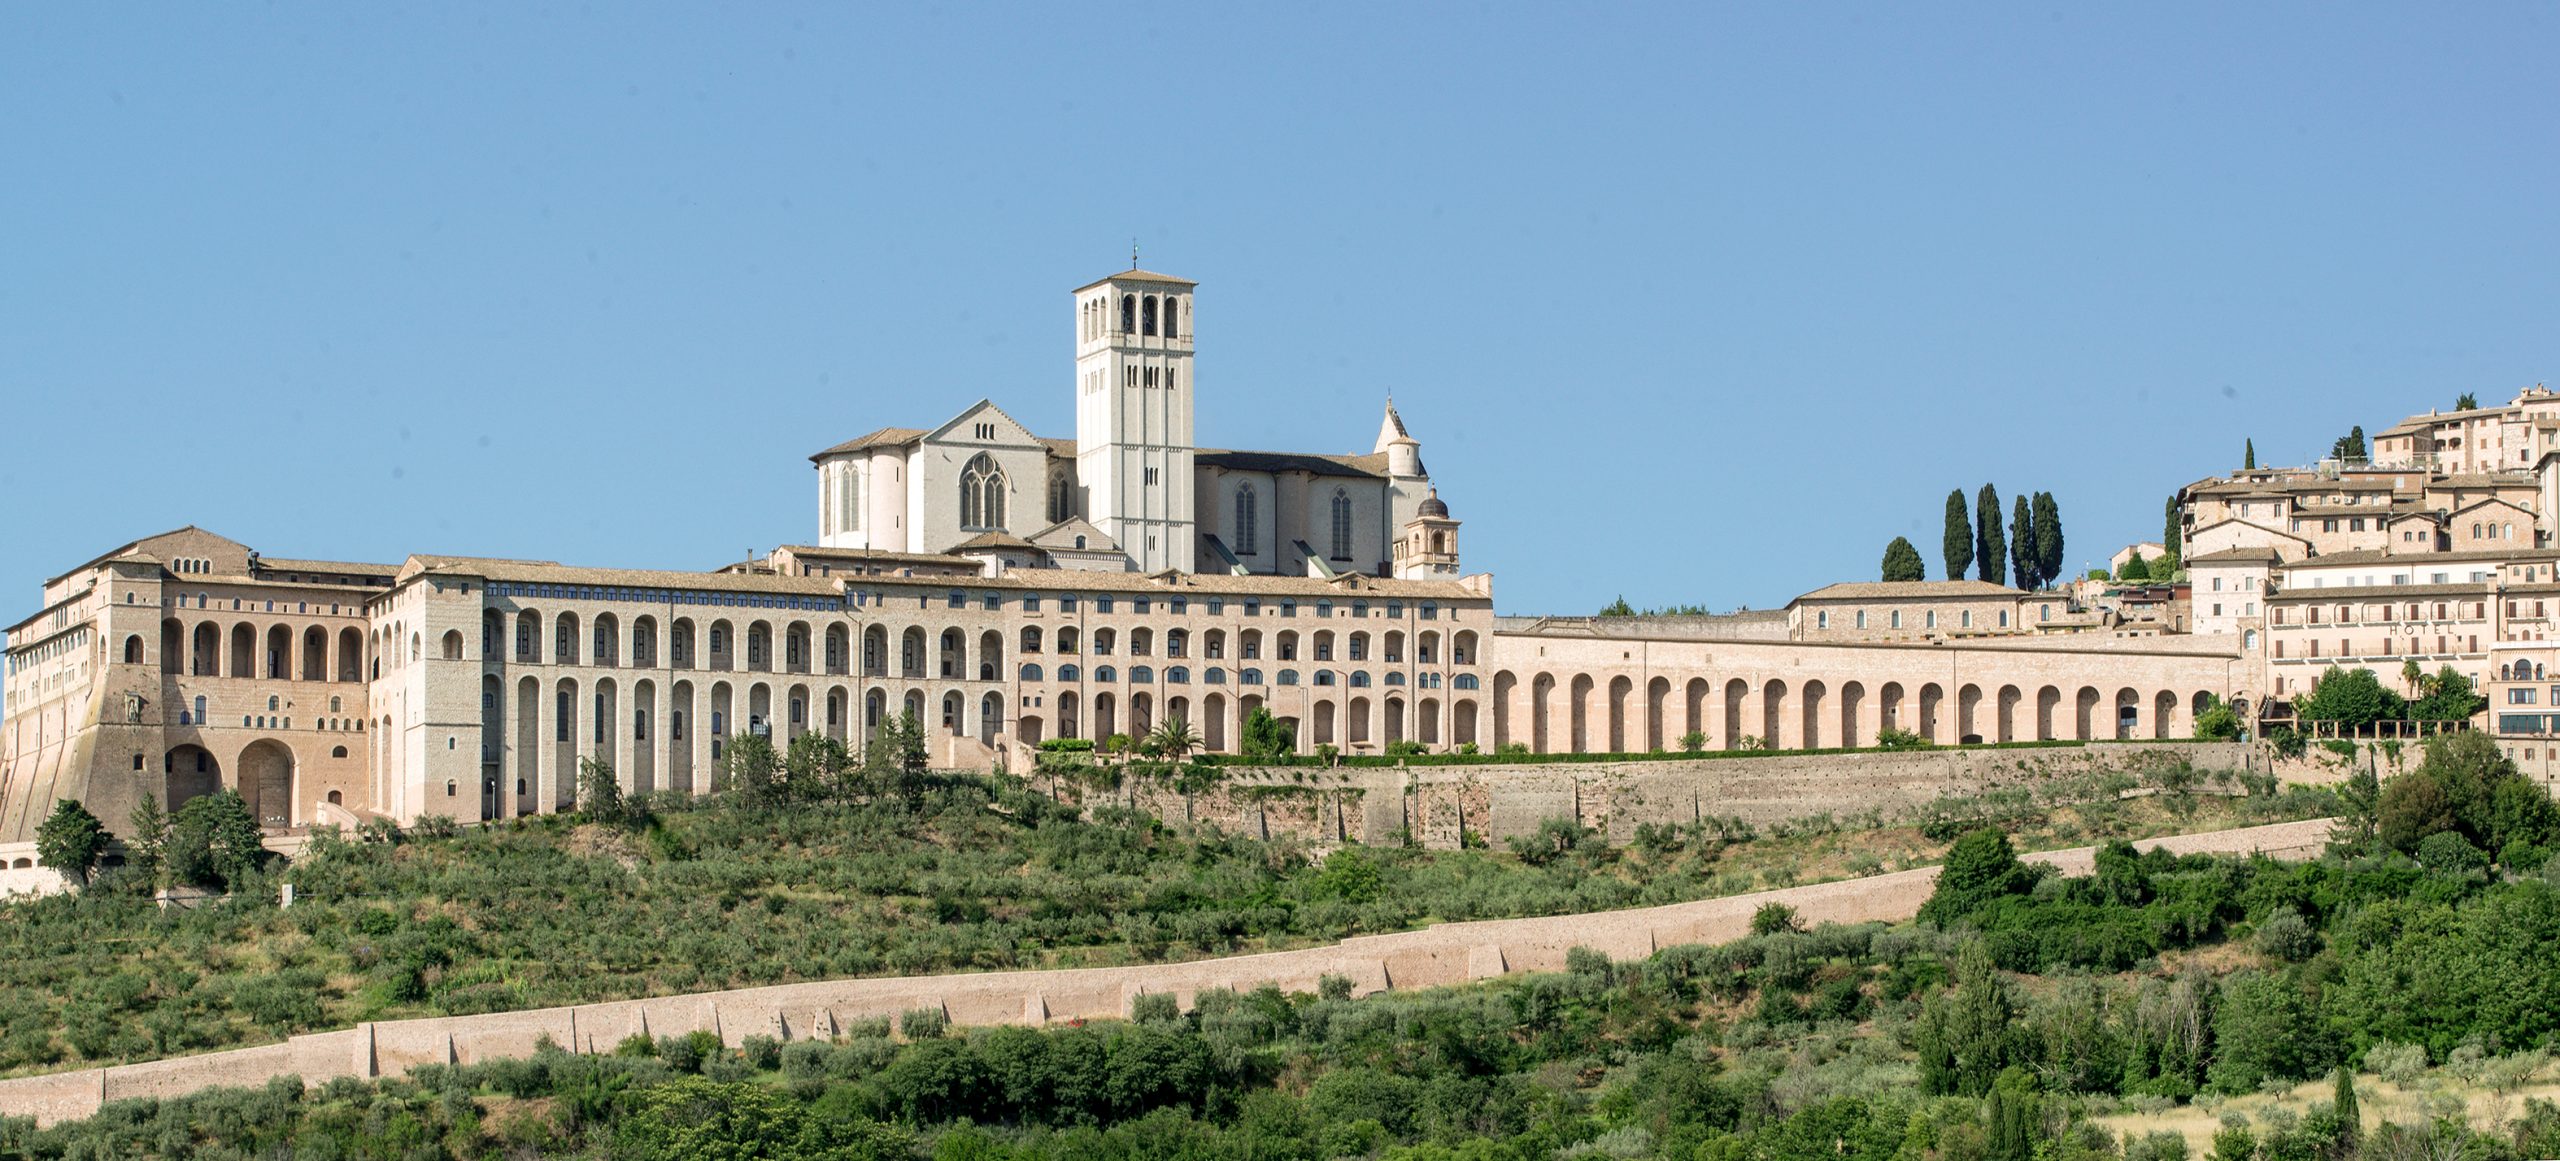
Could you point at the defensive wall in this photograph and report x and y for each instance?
(1440, 804)
(1453, 953)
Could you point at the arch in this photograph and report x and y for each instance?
(350, 654)
(953, 660)
(2048, 701)
(2164, 708)
(607, 646)
(839, 713)
(759, 647)
(911, 649)
(680, 644)
(1106, 716)
(990, 655)
(954, 713)
(2128, 715)
(173, 645)
(565, 716)
(1213, 724)
(1067, 639)
(1539, 688)
(1462, 722)
(839, 650)
(528, 711)
(1324, 712)
(1968, 714)
(1505, 687)
(1142, 713)
(315, 653)
(1621, 689)
(1853, 708)
(205, 659)
(644, 641)
(564, 639)
(191, 771)
(1128, 319)
(796, 650)
(244, 646)
(1773, 714)
(875, 651)
(528, 635)
(1341, 512)
(1028, 729)
(2085, 712)
(721, 645)
(1735, 690)
(1694, 695)
(1147, 315)
(1394, 708)
(990, 717)
(875, 710)
(2202, 701)
(133, 649)
(2008, 700)
(266, 782)
(1889, 711)
(982, 495)
(453, 645)
(1578, 708)
(1657, 698)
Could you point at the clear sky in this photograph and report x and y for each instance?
(1687, 302)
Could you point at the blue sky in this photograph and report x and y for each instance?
(1690, 303)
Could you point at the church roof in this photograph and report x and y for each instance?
(1391, 430)
(1369, 467)
(1908, 590)
(1063, 535)
(1134, 274)
(885, 437)
(985, 540)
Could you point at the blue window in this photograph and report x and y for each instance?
(1288, 677)
(1248, 677)
(1213, 676)
(1177, 676)
(1105, 673)
(1067, 673)
(1324, 677)
(1464, 681)
(1359, 681)
(1140, 674)
(1030, 673)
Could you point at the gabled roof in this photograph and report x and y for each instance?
(991, 540)
(885, 437)
(1062, 536)
(2245, 554)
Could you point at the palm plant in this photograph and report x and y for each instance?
(1174, 739)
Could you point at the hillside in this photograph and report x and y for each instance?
(2300, 1007)
(964, 875)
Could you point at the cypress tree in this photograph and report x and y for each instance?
(1902, 562)
(1959, 539)
(2172, 539)
(2022, 545)
(2248, 455)
(2350, 1117)
(1990, 552)
(2048, 521)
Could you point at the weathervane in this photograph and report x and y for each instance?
(1133, 253)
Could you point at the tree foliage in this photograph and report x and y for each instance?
(70, 841)
(2353, 698)
(2023, 568)
(1957, 548)
(2049, 542)
(1990, 549)
(214, 841)
(1902, 562)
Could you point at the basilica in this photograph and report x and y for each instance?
(1131, 490)
(1006, 589)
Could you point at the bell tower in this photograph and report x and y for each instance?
(1133, 415)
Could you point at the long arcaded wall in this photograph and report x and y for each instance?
(1453, 953)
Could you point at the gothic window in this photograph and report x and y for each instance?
(981, 495)
(1247, 514)
(1061, 498)
(1341, 524)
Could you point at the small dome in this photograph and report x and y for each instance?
(1433, 507)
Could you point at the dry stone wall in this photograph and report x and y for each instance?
(1453, 953)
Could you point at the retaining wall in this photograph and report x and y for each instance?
(1437, 804)
(1452, 953)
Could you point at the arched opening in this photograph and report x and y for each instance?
(315, 654)
(2048, 704)
(266, 782)
(1816, 694)
(1735, 689)
(1932, 696)
(191, 772)
(133, 649)
(1968, 714)
(990, 655)
(1773, 714)
(2085, 714)
(1621, 690)
(453, 644)
(173, 640)
(1147, 315)
(1462, 722)
(2011, 697)
(982, 495)
(1657, 697)
(2164, 708)
(1540, 687)
(990, 718)
(1578, 704)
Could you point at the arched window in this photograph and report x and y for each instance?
(1061, 497)
(1341, 524)
(1177, 676)
(982, 494)
(1105, 673)
(133, 650)
(1463, 681)
(1030, 673)
(1172, 310)
(1142, 675)
(1147, 317)
(1214, 676)
(1248, 514)
(1067, 673)
(1128, 313)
